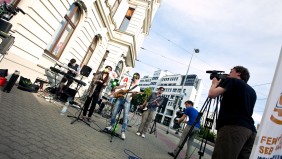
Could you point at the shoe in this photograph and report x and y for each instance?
(143, 135)
(81, 117)
(171, 154)
(88, 119)
(109, 128)
(138, 133)
(123, 135)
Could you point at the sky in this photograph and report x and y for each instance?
(227, 33)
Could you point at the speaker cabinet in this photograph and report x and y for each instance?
(68, 93)
(5, 26)
(85, 71)
(6, 41)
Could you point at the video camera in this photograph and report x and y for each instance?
(179, 114)
(217, 74)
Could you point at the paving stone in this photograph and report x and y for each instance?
(31, 127)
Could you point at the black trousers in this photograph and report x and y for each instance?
(93, 100)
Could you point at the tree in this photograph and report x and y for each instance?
(140, 99)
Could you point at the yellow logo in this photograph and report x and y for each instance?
(276, 117)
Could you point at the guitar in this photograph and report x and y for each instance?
(145, 107)
(121, 93)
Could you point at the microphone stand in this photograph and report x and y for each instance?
(112, 132)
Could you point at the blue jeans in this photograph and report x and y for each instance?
(120, 104)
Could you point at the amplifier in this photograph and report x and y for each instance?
(6, 41)
(5, 26)
(68, 93)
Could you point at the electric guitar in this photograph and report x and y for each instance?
(145, 107)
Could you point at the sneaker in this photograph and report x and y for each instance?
(123, 135)
(171, 154)
(143, 135)
(138, 133)
(109, 128)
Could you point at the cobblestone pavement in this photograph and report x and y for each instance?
(31, 127)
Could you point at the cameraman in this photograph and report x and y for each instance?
(235, 126)
(192, 113)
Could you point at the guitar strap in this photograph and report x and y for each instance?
(132, 88)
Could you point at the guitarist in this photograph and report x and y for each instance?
(154, 101)
(123, 102)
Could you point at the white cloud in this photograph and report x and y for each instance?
(228, 33)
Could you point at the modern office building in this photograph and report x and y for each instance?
(174, 90)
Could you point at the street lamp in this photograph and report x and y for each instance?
(180, 93)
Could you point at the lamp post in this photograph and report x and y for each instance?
(180, 94)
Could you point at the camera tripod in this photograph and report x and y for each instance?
(208, 123)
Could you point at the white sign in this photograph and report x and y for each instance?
(268, 144)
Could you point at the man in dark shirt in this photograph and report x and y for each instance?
(71, 73)
(151, 104)
(235, 126)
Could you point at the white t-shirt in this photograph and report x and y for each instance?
(129, 95)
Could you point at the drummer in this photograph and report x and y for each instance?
(71, 73)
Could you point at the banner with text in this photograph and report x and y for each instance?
(268, 144)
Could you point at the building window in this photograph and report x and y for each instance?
(63, 34)
(126, 19)
(115, 7)
(119, 68)
(13, 2)
(90, 50)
